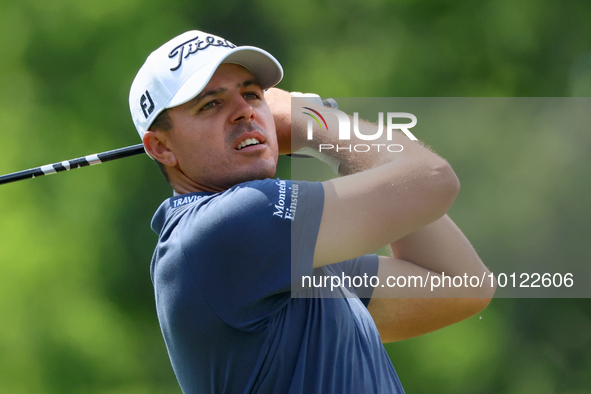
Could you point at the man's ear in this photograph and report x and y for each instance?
(155, 146)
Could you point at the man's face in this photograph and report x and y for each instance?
(225, 135)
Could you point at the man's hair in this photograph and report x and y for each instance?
(163, 122)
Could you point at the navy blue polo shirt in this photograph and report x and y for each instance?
(234, 312)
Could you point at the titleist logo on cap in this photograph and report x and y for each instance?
(194, 45)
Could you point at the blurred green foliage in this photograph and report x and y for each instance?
(75, 294)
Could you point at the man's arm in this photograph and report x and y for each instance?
(384, 195)
(398, 199)
(404, 312)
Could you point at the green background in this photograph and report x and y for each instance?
(76, 301)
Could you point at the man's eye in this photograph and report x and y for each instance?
(251, 95)
(209, 105)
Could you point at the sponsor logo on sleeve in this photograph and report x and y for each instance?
(184, 200)
(284, 208)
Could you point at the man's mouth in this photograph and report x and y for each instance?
(248, 142)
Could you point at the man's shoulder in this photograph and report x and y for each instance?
(241, 194)
(258, 200)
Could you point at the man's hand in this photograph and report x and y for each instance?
(280, 103)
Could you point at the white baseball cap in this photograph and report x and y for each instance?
(179, 70)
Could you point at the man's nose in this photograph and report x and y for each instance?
(242, 110)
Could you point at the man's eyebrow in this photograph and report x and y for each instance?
(213, 92)
(249, 82)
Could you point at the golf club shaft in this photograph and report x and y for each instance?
(67, 165)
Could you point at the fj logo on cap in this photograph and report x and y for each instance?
(194, 45)
(147, 110)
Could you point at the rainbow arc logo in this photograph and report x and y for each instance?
(315, 118)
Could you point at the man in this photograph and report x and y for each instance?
(234, 244)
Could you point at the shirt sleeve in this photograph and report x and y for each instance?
(244, 244)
